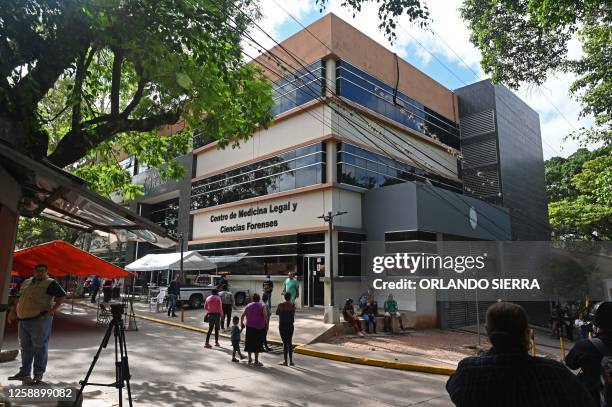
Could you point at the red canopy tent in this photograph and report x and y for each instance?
(63, 259)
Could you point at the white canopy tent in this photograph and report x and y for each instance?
(192, 260)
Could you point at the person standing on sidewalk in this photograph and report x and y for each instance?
(268, 287)
(286, 317)
(174, 292)
(227, 301)
(39, 298)
(95, 287)
(107, 289)
(255, 314)
(214, 313)
(587, 354)
(265, 301)
(291, 286)
(235, 335)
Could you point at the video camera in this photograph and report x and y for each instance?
(116, 310)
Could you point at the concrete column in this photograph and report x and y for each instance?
(9, 217)
(331, 151)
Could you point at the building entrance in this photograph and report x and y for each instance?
(314, 273)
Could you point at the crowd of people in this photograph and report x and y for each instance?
(505, 375)
(254, 320)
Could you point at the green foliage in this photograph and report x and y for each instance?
(580, 195)
(560, 172)
(524, 41)
(35, 231)
(388, 12)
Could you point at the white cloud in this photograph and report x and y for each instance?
(449, 41)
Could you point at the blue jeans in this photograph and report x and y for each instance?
(33, 341)
(171, 303)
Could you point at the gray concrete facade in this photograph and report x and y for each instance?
(427, 208)
(516, 165)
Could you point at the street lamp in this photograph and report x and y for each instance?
(329, 218)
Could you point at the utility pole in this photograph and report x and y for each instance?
(329, 218)
(180, 236)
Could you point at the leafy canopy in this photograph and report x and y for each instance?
(76, 74)
(579, 192)
(524, 41)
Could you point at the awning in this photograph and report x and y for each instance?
(63, 259)
(222, 261)
(56, 194)
(171, 261)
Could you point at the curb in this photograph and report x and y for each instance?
(439, 370)
(303, 350)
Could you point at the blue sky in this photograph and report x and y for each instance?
(446, 55)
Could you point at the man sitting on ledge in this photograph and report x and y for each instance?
(507, 376)
(391, 312)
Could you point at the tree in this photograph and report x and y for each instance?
(103, 68)
(579, 191)
(524, 41)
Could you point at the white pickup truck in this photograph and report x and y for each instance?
(201, 287)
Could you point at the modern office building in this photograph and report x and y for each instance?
(361, 131)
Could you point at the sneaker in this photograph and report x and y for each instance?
(19, 376)
(291, 363)
(217, 344)
(258, 363)
(207, 345)
(235, 360)
(37, 382)
(283, 363)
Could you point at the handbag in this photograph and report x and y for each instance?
(206, 318)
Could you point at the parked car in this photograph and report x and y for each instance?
(201, 287)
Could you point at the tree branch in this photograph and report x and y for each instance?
(77, 142)
(116, 82)
(135, 99)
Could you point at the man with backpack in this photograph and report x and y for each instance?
(593, 356)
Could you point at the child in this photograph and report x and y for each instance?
(235, 330)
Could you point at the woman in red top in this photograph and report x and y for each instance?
(214, 309)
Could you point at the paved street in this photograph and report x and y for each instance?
(170, 367)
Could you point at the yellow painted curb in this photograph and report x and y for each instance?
(446, 371)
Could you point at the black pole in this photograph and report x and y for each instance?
(182, 247)
(329, 218)
(331, 257)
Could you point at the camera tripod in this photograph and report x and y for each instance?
(122, 368)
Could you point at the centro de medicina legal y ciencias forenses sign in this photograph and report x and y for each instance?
(243, 225)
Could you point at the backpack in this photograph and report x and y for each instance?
(606, 372)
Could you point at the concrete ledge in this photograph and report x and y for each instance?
(439, 370)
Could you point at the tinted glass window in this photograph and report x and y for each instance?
(370, 170)
(360, 87)
(295, 169)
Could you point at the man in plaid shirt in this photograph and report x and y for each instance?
(507, 376)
